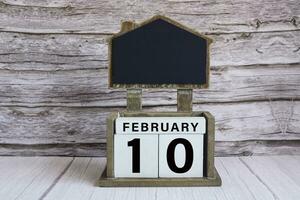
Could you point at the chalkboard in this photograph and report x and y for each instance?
(159, 54)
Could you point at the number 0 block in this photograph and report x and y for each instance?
(181, 155)
(136, 155)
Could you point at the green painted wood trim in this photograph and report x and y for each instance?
(209, 143)
(134, 99)
(211, 177)
(159, 182)
(185, 100)
(110, 123)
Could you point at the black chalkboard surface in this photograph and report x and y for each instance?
(159, 54)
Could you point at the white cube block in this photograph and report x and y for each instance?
(181, 155)
(160, 125)
(136, 155)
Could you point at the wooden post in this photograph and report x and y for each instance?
(134, 96)
(185, 100)
(134, 99)
(127, 26)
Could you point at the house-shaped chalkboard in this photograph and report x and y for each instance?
(159, 53)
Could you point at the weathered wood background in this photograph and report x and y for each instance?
(54, 95)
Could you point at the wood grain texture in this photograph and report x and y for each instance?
(78, 16)
(54, 52)
(223, 148)
(89, 87)
(274, 120)
(53, 73)
(61, 149)
(237, 121)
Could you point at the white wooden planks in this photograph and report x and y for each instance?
(289, 166)
(276, 175)
(239, 182)
(80, 180)
(29, 177)
(258, 178)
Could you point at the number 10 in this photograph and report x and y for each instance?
(135, 144)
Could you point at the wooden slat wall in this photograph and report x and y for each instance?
(54, 96)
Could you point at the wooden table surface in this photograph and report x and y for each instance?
(273, 177)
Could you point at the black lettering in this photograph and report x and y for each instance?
(166, 128)
(174, 126)
(185, 126)
(135, 144)
(125, 125)
(189, 155)
(144, 127)
(135, 127)
(154, 126)
(194, 126)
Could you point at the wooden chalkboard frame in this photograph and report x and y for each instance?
(174, 86)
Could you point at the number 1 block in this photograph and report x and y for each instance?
(136, 155)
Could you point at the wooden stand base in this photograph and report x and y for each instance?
(159, 182)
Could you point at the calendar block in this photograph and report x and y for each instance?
(160, 125)
(136, 155)
(157, 158)
(181, 155)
